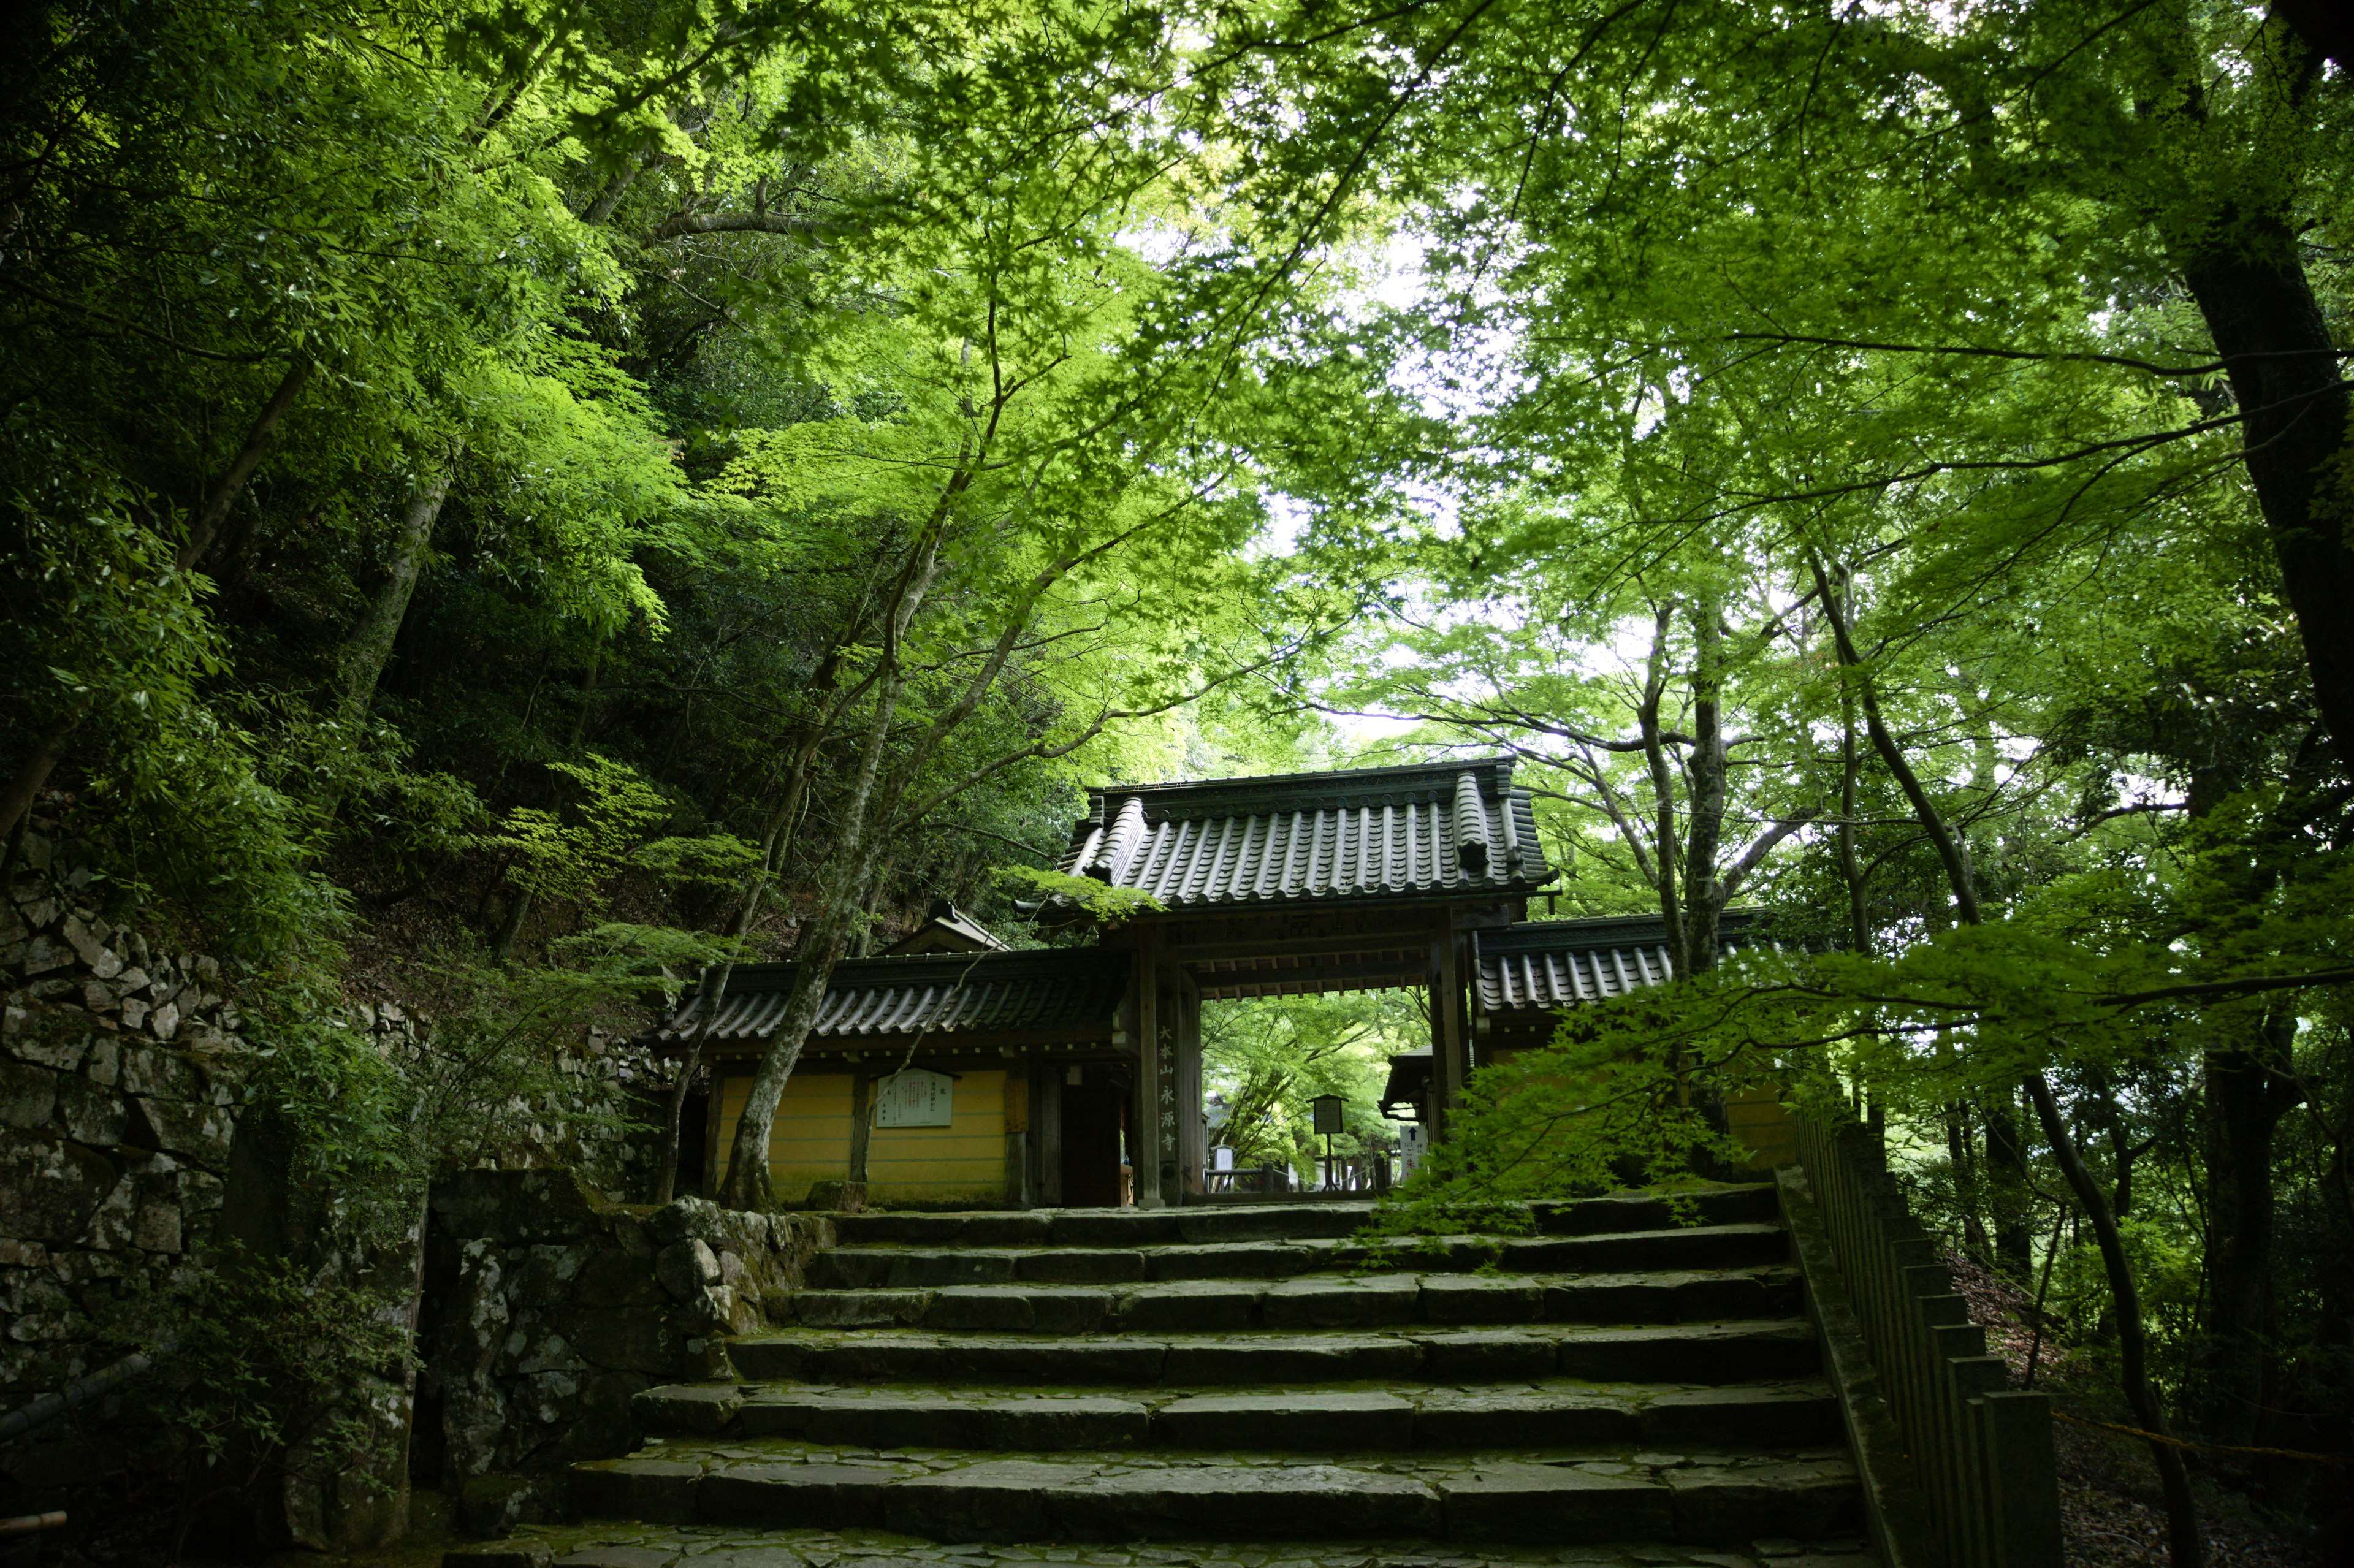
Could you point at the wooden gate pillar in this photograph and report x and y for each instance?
(1186, 1067)
(1450, 1059)
(1155, 1041)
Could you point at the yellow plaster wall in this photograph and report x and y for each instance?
(811, 1141)
(962, 1162)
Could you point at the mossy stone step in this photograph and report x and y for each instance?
(1049, 1499)
(877, 1268)
(1220, 1305)
(1562, 1417)
(1682, 1353)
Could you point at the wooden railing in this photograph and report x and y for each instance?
(1981, 1454)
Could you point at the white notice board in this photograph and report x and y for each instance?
(914, 1098)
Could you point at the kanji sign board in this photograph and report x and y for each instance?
(915, 1099)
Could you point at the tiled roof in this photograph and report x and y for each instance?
(946, 929)
(1546, 964)
(1451, 829)
(1068, 990)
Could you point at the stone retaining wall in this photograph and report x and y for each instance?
(548, 1308)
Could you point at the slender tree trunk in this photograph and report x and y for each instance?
(1859, 908)
(2186, 1547)
(1704, 819)
(369, 648)
(823, 942)
(1663, 785)
(232, 483)
(713, 987)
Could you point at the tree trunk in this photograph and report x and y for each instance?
(824, 941)
(2251, 285)
(232, 483)
(370, 646)
(2186, 1546)
(1704, 819)
(2244, 1104)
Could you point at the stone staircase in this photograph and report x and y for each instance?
(1248, 1373)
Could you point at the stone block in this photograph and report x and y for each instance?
(808, 1497)
(1613, 1299)
(1249, 1260)
(686, 1268)
(52, 1037)
(151, 1070)
(867, 1309)
(688, 1407)
(605, 1279)
(1018, 1309)
(1335, 1422)
(89, 943)
(894, 1421)
(28, 1095)
(1079, 1266)
(686, 1218)
(1550, 1504)
(1362, 1301)
(1132, 1362)
(1730, 1506)
(43, 955)
(1060, 1425)
(917, 1270)
(1001, 1500)
(1193, 1307)
(1763, 1417)
(1486, 1355)
(199, 1133)
(50, 1187)
(104, 1065)
(1271, 1360)
(1271, 1502)
(658, 1491)
(1524, 1421)
(626, 1339)
(1274, 1222)
(1697, 1354)
(1117, 1227)
(93, 1114)
(1477, 1298)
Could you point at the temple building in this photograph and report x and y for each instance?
(948, 1069)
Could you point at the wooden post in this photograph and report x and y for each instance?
(1449, 1061)
(1190, 1153)
(1144, 1123)
(1018, 1187)
(1046, 1131)
(711, 1130)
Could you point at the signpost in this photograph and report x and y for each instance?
(1328, 1110)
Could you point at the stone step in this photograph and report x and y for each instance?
(1226, 1306)
(897, 1267)
(1710, 1499)
(608, 1544)
(1683, 1353)
(1535, 1415)
(1747, 1202)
